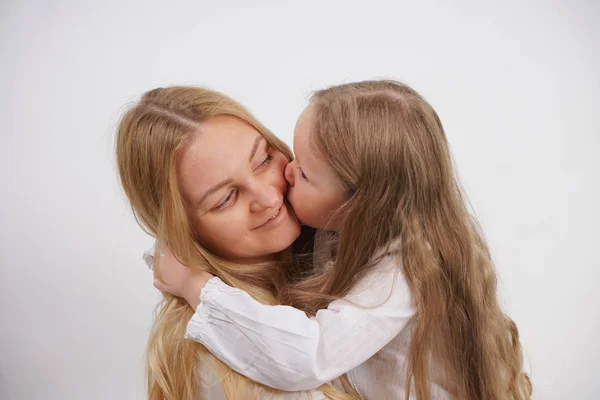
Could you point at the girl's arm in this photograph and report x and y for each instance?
(281, 347)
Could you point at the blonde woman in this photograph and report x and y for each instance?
(202, 174)
(408, 305)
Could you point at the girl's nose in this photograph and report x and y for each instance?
(289, 172)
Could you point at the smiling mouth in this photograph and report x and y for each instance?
(276, 214)
(272, 217)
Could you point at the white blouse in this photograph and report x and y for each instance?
(211, 388)
(210, 380)
(366, 334)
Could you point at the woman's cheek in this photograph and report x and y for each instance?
(281, 162)
(232, 225)
(278, 171)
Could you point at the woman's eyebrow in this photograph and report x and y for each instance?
(257, 141)
(214, 189)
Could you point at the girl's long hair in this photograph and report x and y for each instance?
(389, 150)
(149, 137)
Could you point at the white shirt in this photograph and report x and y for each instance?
(210, 379)
(366, 334)
(211, 388)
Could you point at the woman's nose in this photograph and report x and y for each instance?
(265, 197)
(289, 173)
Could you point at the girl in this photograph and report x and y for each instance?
(178, 152)
(408, 304)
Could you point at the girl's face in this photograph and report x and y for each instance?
(315, 190)
(232, 182)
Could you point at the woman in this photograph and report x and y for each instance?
(202, 174)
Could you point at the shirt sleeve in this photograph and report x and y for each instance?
(279, 346)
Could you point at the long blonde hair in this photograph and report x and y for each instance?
(389, 150)
(149, 137)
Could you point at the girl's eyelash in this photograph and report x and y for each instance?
(302, 174)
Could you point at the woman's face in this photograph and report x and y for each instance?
(232, 182)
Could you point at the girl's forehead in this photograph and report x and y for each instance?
(304, 120)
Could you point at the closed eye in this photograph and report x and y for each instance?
(228, 200)
(302, 174)
(266, 161)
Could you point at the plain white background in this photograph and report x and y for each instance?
(515, 83)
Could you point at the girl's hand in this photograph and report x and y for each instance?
(178, 279)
